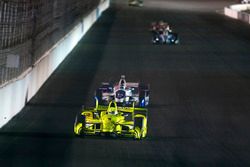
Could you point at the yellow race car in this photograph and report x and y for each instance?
(112, 120)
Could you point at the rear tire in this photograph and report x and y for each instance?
(81, 119)
(98, 95)
(138, 122)
(137, 135)
(142, 94)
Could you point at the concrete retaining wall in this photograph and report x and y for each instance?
(14, 95)
(237, 12)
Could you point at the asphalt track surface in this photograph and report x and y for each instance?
(200, 93)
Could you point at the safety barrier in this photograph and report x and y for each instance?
(15, 95)
(28, 28)
(237, 12)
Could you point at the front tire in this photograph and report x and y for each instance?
(80, 119)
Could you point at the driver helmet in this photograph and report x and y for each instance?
(113, 111)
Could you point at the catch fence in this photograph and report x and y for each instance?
(28, 28)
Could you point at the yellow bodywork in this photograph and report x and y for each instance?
(111, 119)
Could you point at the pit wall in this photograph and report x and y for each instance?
(236, 12)
(16, 94)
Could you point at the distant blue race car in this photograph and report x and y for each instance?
(169, 38)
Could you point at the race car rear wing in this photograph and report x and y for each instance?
(119, 108)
